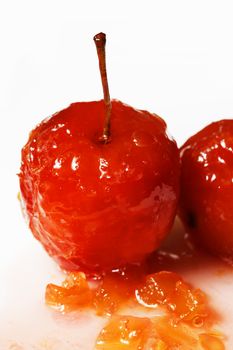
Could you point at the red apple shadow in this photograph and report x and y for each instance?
(181, 253)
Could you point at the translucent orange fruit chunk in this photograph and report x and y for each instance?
(73, 294)
(157, 288)
(115, 290)
(128, 332)
(211, 342)
(189, 304)
(109, 297)
(169, 290)
(134, 333)
(184, 306)
(175, 336)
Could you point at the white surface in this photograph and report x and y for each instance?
(173, 58)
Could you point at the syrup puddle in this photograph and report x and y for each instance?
(152, 306)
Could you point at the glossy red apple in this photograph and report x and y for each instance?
(97, 199)
(207, 187)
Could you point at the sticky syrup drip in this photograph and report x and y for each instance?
(187, 320)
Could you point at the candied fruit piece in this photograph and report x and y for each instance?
(211, 342)
(157, 288)
(73, 294)
(75, 279)
(186, 308)
(116, 289)
(159, 333)
(179, 336)
(127, 332)
(108, 299)
(189, 304)
(169, 290)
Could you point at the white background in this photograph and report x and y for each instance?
(174, 58)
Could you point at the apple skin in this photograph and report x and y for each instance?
(206, 203)
(96, 206)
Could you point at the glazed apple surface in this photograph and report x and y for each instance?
(207, 187)
(96, 205)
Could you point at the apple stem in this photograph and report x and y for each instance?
(100, 41)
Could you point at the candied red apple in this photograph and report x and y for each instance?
(93, 205)
(206, 205)
(99, 200)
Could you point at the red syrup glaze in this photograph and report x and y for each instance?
(206, 205)
(97, 206)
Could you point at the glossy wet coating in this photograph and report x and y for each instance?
(134, 333)
(100, 206)
(115, 290)
(207, 187)
(187, 322)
